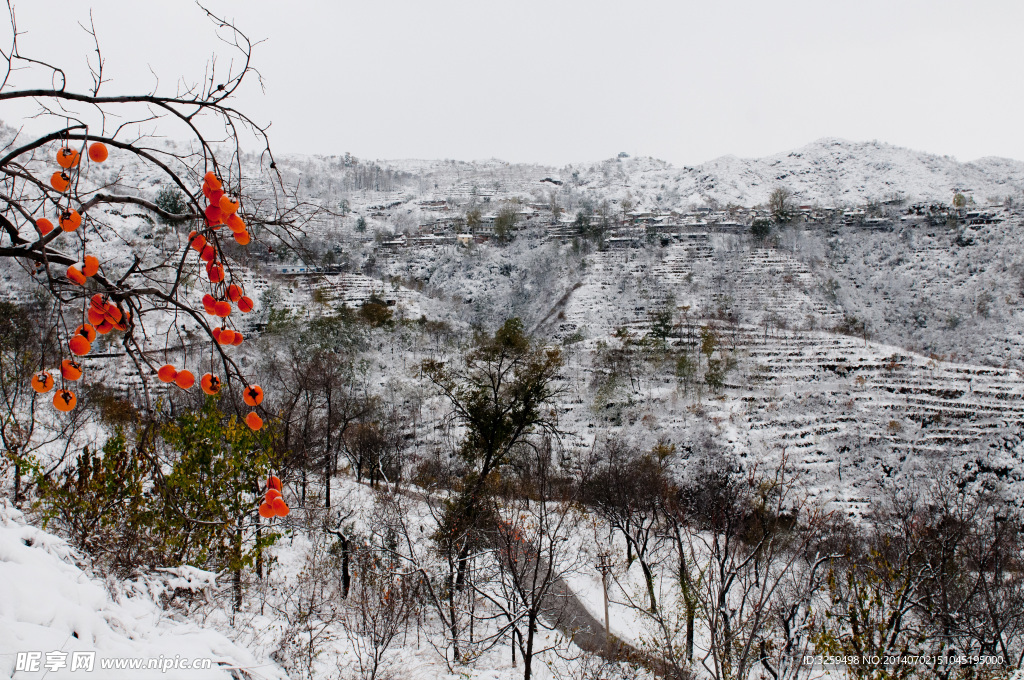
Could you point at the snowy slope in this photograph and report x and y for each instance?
(49, 604)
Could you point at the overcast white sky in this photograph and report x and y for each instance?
(563, 81)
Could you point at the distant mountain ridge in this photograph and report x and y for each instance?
(829, 171)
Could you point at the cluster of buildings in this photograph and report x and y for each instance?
(449, 226)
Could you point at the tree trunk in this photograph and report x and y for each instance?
(304, 482)
(346, 576)
(531, 630)
(238, 569)
(259, 553)
(689, 630)
(649, 578)
(327, 483)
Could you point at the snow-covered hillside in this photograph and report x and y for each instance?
(78, 622)
(829, 171)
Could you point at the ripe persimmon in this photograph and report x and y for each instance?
(60, 181)
(242, 238)
(42, 382)
(104, 327)
(266, 511)
(245, 304)
(79, 346)
(208, 254)
(210, 383)
(67, 158)
(211, 180)
(280, 507)
(227, 205)
(167, 373)
(274, 482)
(75, 275)
(227, 337)
(98, 152)
(234, 293)
(238, 339)
(197, 241)
(253, 395)
(184, 379)
(213, 216)
(86, 331)
(70, 369)
(271, 494)
(254, 421)
(215, 273)
(70, 220)
(216, 333)
(235, 223)
(91, 266)
(44, 226)
(64, 400)
(222, 308)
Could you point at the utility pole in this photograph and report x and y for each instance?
(604, 565)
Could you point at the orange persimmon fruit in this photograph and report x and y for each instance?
(67, 158)
(86, 331)
(235, 223)
(167, 373)
(91, 266)
(213, 215)
(184, 379)
(79, 346)
(215, 273)
(245, 304)
(70, 369)
(70, 220)
(254, 421)
(210, 383)
(198, 241)
(227, 205)
(64, 400)
(60, 181)
(98, 152)
(75, 275)
(42, 382)
(280, 507)
(253, 395)
(44, 226)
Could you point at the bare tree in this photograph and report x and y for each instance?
(534, 555)
(780, 205)
(751, 531)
